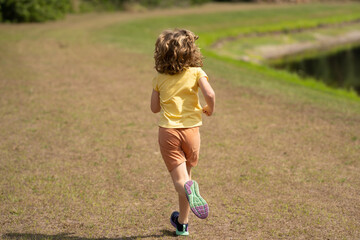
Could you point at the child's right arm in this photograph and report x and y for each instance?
(209, 96)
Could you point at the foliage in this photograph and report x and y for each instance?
(33, 10)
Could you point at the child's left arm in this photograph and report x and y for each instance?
(155, 102)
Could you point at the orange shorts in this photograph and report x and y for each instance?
(178, 145)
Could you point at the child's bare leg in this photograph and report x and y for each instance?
(184, 209)
(184, 203)
(188, 168)
(180, 175)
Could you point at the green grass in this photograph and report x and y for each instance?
(140, 35)
(274, 19)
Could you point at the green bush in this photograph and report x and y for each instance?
(33, 10)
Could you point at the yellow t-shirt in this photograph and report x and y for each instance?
(179, 100)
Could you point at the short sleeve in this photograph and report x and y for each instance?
(200, 74)
(155, 84)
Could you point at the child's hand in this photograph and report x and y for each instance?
(207, 110)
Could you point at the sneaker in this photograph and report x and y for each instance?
(197, 204)
(181, 229)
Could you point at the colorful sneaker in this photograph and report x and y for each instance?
(197, 204)
(181, 229)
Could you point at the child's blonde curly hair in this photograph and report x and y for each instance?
(175, 50)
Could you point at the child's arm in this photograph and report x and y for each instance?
(155, 102)
(209, 96)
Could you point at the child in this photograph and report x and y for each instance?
(175, 96)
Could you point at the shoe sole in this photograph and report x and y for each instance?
(178, 233)
(197, 204)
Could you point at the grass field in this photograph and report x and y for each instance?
(78, 148)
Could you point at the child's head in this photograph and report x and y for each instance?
(175, 50)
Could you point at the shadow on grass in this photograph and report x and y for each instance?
(67, 236)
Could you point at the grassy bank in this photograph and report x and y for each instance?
(251, 46)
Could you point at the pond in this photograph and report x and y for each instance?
(340, 69)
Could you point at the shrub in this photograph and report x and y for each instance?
(33, 10)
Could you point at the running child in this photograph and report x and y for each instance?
(178, 62)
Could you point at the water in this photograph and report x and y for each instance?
(340, 69)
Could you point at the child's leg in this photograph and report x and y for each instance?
(188, 168)
(180, 175)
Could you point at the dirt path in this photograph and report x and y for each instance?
(79, 156)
